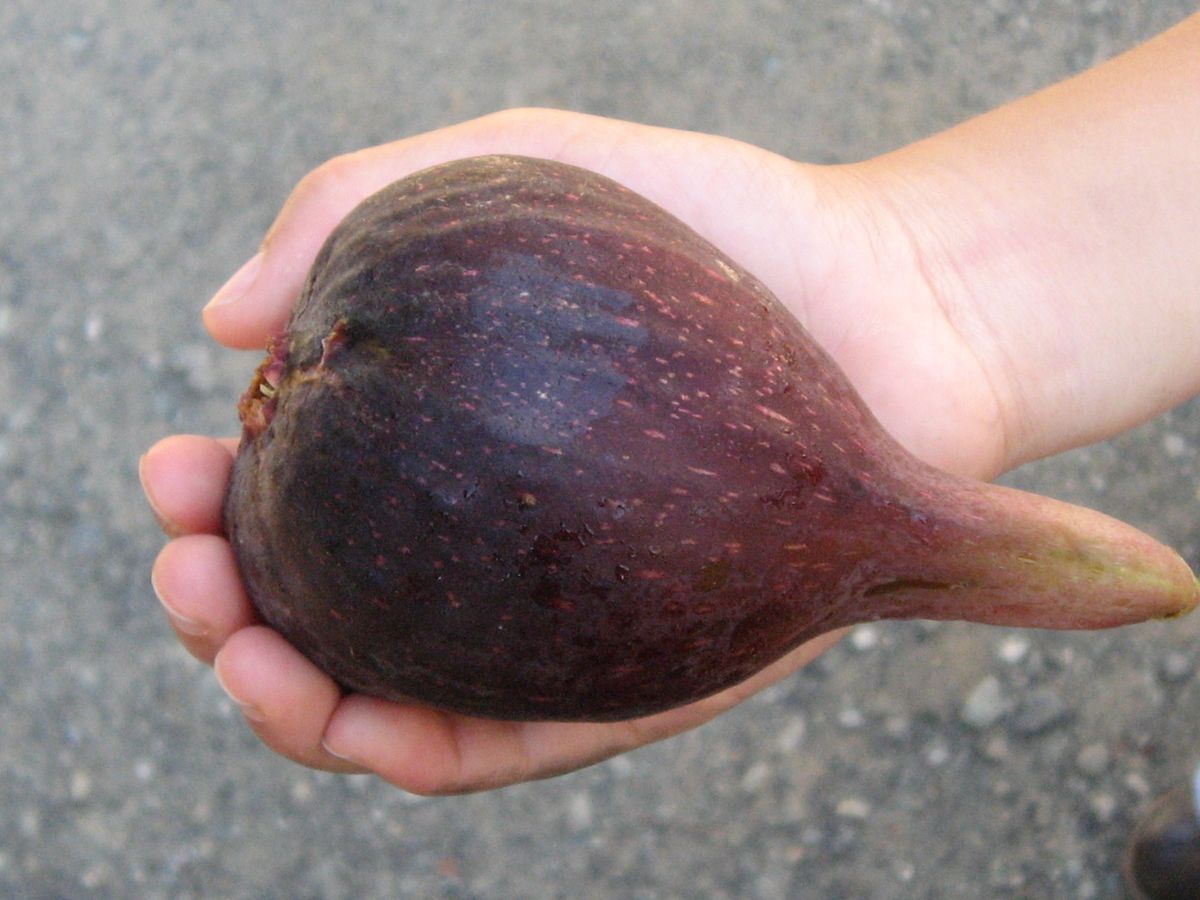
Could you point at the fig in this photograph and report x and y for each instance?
(531, 448)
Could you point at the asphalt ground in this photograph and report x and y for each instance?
(144, 148)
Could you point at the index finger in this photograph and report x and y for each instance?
(254, 304)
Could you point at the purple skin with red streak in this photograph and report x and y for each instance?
(530, 448)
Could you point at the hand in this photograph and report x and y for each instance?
(822, 238)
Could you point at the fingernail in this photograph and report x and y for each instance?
(183, 623)
(239, 284)
(342, 756)
(249, 710)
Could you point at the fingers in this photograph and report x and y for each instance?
(184, 478)
(284, 697)
(196, 579)
(432, 752)
(195, 576)
(427, 751)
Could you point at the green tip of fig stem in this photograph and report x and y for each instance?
(1031, 561)
(1189, 606)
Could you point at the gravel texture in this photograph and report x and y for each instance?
(146, 146)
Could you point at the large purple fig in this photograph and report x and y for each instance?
(530, 448)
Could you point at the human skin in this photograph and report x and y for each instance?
(1023, 283)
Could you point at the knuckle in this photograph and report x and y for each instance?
(314, 190)
(326, 177)
(529, 118)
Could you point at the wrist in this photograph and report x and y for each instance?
(963, 247)
(1059, 235)
(907, 349)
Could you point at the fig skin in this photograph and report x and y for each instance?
(530, 448)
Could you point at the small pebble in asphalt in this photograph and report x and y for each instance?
(985, 705)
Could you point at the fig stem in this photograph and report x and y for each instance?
(1020, 559)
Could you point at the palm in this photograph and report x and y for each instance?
(813, 235)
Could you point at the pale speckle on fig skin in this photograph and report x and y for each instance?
(587, 482)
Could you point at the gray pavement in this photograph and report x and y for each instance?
(144, 147)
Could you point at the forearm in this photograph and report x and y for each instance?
(1062, 234)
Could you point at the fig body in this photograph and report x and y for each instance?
(531, 448)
